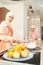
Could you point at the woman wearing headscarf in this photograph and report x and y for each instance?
(33, 34)
(5, 26)
(6, 32)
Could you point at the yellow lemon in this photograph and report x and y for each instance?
(16, 47)
(10, 54)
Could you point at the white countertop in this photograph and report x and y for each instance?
(3, 62)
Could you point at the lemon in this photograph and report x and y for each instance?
(16, 47)
(10, 54)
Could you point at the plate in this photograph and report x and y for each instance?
(5, 56)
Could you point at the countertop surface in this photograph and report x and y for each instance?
(3, 62)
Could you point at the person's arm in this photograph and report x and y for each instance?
(9, 38)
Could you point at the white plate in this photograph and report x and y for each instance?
(5, 56)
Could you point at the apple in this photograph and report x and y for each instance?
(16, 54)
(24, 53)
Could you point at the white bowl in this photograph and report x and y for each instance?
(31, 45)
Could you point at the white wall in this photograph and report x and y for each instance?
(18, 22)
(1, 5)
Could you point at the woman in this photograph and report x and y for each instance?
(33, 34)
(6, 32)
(7, 24)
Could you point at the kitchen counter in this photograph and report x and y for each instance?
(34, 61)
(3, 62)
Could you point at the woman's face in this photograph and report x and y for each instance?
(32, 29)
(10, 18)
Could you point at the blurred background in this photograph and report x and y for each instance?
(26, 13)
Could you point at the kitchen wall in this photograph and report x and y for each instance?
(18, 23)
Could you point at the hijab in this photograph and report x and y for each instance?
(5, 23)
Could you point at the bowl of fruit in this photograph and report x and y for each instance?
(19, 52)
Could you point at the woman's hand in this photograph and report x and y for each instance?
(16, 41)
(9, 38)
